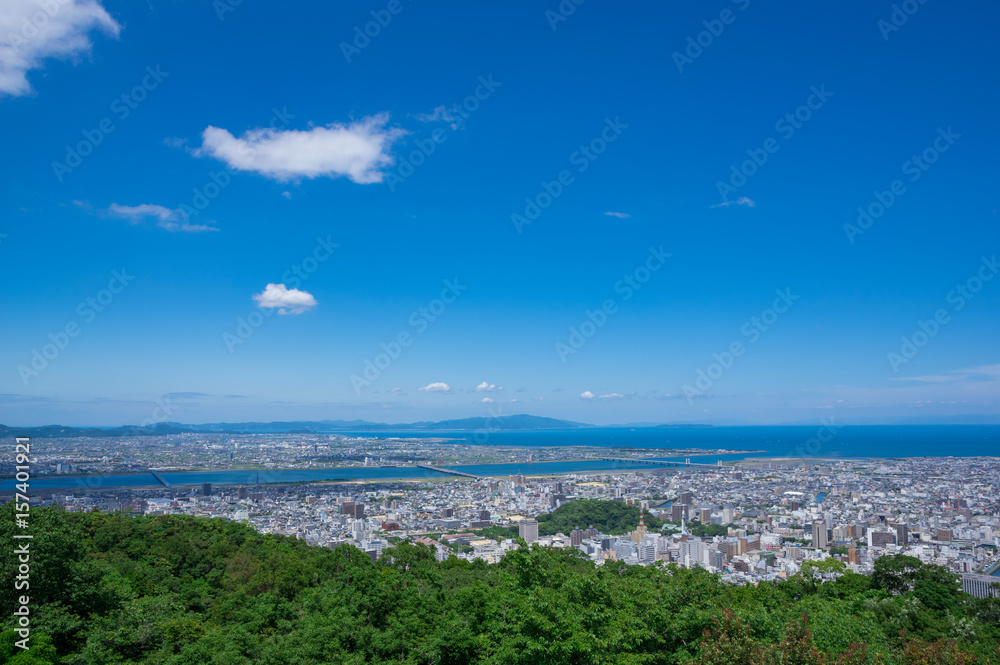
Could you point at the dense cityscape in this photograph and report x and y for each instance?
(759, 519)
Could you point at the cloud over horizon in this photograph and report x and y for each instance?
(437, 387)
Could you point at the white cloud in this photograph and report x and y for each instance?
(166, 218)
(437, 387)
(396, 390)
(742, 201)
(619, 215)
(442, 114)
(586, 394)
(980, 373)
(488, 387)
(359, 151)
(288, 301)
(486, 400)
(32, 31)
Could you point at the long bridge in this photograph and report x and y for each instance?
(687, 462)
(448, 471)
(161, 479)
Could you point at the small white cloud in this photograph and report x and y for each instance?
(435, 388)
(396, 390)
(742, 201)
(613, 396)
(286, 300)
(488, 387)
(33, 31)
(586, 394)
(619, 215)
(442, 114)
(359, 151)
(287, 195)
(486, 400)
(174, 142)
(166, 218)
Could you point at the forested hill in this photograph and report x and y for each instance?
(605, 516)
(171, 590)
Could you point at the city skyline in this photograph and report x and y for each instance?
(716, 214)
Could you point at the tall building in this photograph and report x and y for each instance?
(242, 493)
(944, 535)
(819, 534)
(705, 515)
(484, 515)
(575, 537)
(590, 533)
(206, 489)
(528, 530)
(347, 508)
(902, 533)
(685, 497)
(640, 532)
(854, 555)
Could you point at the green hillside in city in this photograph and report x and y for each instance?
(614, 517)
(176, 590)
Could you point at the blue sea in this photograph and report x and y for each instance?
(851, 442)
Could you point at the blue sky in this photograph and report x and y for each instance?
(280, 197)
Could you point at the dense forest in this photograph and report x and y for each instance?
(110, 588)
(605, 516)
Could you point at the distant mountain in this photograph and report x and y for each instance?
(516, 422)
(522, 421)
(60, 431)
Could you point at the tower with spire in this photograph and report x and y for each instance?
(639, 533)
